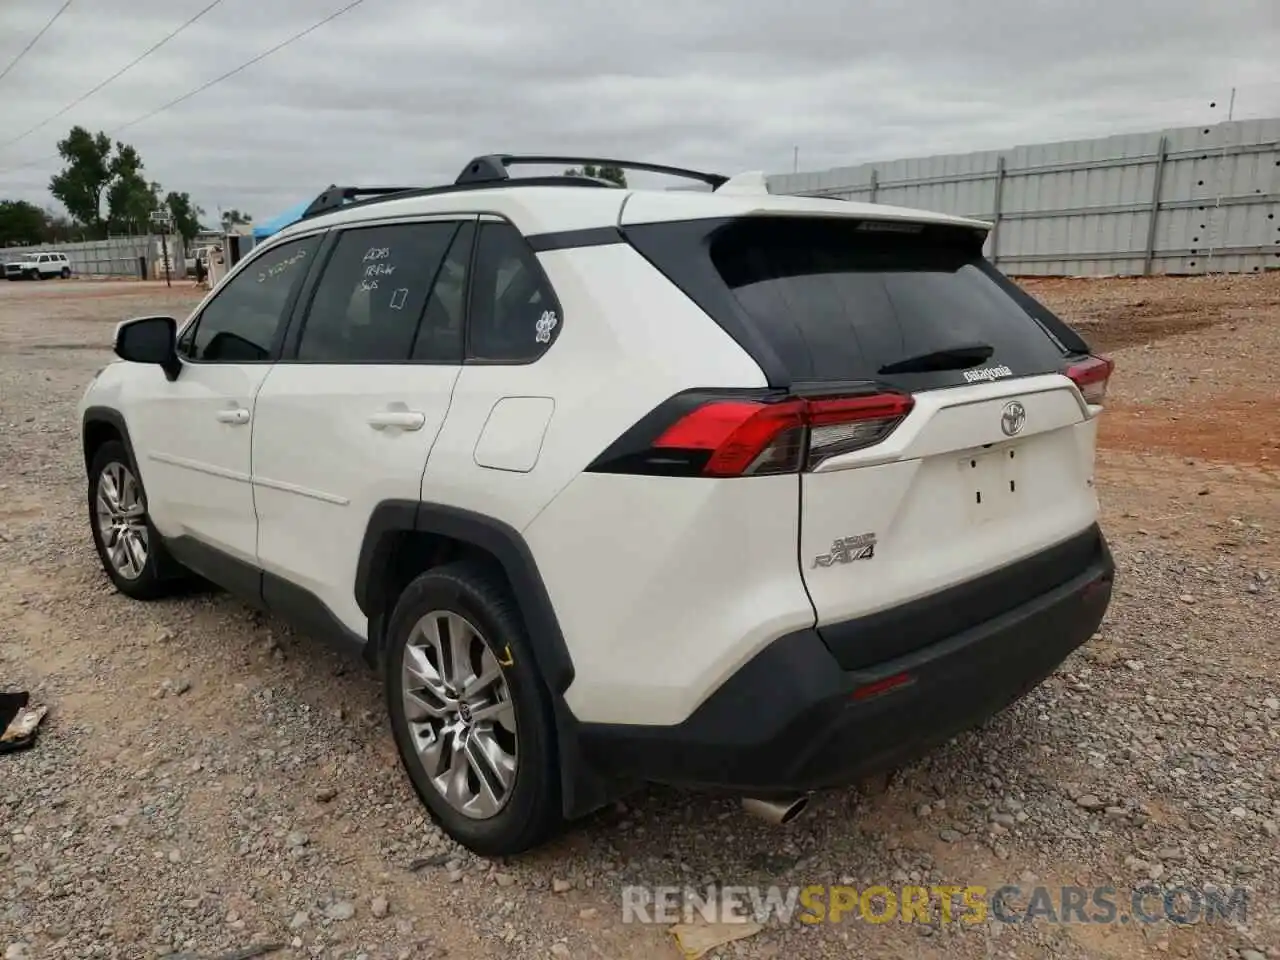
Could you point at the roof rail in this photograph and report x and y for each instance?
(337, 197)
(493, 167)
(491, 170)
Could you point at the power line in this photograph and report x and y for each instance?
(115, 76)
(231, 73)
(204, 86)
(32, 42)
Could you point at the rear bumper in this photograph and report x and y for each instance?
(789, 720)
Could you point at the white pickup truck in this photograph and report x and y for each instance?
(38, 266)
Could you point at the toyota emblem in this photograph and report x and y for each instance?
(1013, 418)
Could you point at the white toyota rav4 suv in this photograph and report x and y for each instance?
(723, 490)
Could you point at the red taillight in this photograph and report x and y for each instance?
(750, 438)
(1092, 376)
(743, 436)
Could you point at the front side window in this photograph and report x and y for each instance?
(240, 324)
(514, 315)
(371, 297)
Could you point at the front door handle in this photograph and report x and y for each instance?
(235, 415)
(399, 419)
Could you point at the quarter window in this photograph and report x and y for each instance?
(514, 315)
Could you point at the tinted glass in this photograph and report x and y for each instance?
(441, 332)
(240, 324)
(514, 314)
(371, 296)
(841, 303)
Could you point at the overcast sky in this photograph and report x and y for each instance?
(406, 91)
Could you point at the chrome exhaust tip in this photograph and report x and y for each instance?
(777, 812)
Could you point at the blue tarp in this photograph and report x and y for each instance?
(280, 221)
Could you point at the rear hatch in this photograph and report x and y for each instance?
(946, 463)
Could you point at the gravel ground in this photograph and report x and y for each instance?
(207, 780)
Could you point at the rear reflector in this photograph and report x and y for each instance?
(754, 438)
(1091, 376)
(874, 689)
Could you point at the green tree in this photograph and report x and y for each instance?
(234, 218)
(132, 202)
(186, 215)
(612, 174)
(82, 182)
(22, 223)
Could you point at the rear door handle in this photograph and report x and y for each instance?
(236, 415)
(398, 419)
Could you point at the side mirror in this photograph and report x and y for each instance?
(150, 340)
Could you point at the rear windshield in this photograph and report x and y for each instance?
(839, 300)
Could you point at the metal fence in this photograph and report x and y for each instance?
(115, 257)
(1180, 201)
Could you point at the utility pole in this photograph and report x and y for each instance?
(795, 160)
(163, 222)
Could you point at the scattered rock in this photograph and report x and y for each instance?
(560, 886)
(379, 907)
(342, 910)
(1090, 802)
(325, 794)
(435, 860)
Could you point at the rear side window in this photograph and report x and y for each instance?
(372, 294)
(441, 333)
(514, 316)
(838, 302)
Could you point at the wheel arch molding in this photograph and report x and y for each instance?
(96, 425)
(393, 520)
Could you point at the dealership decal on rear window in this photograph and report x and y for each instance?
(987, 373)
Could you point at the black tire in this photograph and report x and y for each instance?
(159, 575)
(66, 273)
(532, 812)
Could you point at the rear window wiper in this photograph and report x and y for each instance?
(949, 358)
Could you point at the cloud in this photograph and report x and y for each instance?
(406, 91)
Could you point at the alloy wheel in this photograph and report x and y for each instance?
(122, 520)
(460, 714)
